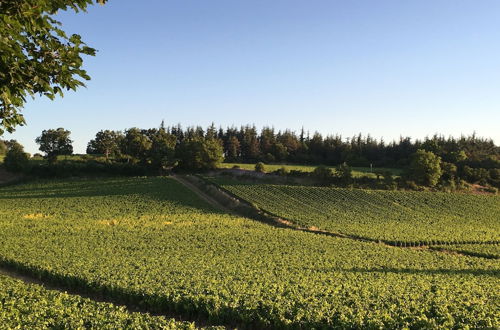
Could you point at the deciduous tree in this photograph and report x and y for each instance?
(106, 142)
(162, 151)
(425, 168)
(36, 56)
(55, 142)
(200, 154)
(16, 160)
(136, 144)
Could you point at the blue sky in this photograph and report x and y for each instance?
(387, 68)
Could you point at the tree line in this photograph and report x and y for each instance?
(247, 145)
(429, 160)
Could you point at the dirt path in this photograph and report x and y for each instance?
(207, 198)
(276, 221)
(46, 282)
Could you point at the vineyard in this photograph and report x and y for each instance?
(408, 218)
(480, 250)
(153, 243)
(25, 306)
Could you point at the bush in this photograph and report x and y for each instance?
(425, 168)
(298, 173)
(344, 173)
(323, 174)
(463, 185)
(16, 159)
(412, 185)
(259, 167)
(281, 171)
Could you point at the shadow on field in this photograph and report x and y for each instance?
(476, 272)
(155, 188)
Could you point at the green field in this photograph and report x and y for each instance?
(356, 171)
(152, 242)
(30, 306)
(423, 217)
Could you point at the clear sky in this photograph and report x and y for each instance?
(387, 68)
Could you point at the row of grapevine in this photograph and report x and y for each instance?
(152, 242)
(396, 218)
(491, 251)
(30, 306)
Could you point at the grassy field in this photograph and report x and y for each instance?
(387, 215)
(152, 242)
(356, 171)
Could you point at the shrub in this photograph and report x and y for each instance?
(16, 159)
(281, 171)
(412, 185)
(344, 173)
(425, 168)
(298, 173)
(259, 167)
(323, 174)
(463, 185)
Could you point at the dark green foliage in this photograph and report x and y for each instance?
(232, 148)
(16, 160)
(495, 177)
(162, 152)
(282, 171)
(280, 152)
(469, 158)
(161, 148)
(388, 179)
(86, 168)
(344, 173)
(136, 144)
(200, 154)
(449, 171)
(36, 55)
(106, 143)
(260, 167)
(425, 168)
(55, 142)
(323, 174)
(476, 175)
(246, 145)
